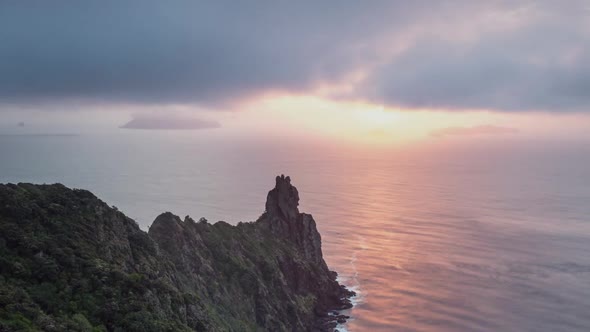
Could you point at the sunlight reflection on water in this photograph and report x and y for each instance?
(433, 239)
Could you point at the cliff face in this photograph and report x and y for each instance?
(70, 262)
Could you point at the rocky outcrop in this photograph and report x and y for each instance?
(70, 262)
(282, 218)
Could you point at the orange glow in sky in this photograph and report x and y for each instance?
(361, 122)
(316, 116)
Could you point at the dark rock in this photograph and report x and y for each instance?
(64, 253)
(282, 217)
(283, 200)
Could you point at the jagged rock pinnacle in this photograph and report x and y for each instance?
(282, 217)
(282, 201)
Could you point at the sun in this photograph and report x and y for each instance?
(350, 121)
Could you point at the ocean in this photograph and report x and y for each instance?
(443, 235)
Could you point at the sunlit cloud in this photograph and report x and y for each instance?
(384, 72)
(481, 130)
(460, 55)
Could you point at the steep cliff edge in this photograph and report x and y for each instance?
(70, 262)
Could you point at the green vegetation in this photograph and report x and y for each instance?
(56, 272)
(69, 262)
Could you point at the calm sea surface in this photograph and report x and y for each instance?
(434, 237)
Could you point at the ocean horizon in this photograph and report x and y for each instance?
(446, 236)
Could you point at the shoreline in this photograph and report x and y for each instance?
(181, 273)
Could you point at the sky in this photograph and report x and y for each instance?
(377, 72)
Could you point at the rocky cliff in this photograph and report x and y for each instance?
(70, 262)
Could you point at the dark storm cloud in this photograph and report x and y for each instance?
(178, 51)
(214, 53)
(540, 68)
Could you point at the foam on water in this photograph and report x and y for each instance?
(352, 283)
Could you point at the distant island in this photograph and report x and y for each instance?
(70, 262)
(169, 122)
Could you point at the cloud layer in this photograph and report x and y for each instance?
(482, 130)
(456, 55)
(176, 51)
(541, 64)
